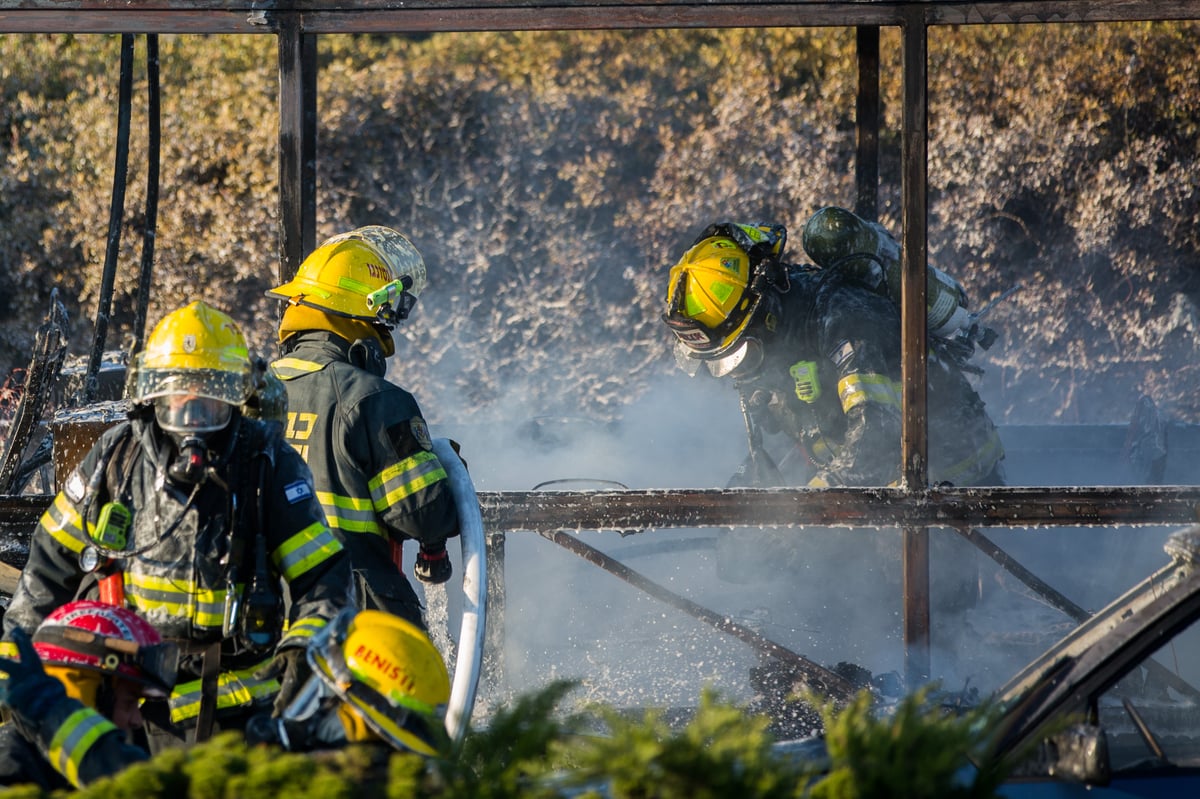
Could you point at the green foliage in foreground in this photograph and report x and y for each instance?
(532, 750)
(919, 750)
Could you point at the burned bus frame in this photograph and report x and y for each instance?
(914, 506)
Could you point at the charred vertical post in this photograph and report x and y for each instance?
(867, 117)
(913, 437)
(493, 649)
(297, 143)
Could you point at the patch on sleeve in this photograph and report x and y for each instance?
(297, 491)
(420, 432)
(842, 354)
(74, 489)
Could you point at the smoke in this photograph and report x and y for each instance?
(832, 595)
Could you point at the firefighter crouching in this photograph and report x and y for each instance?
(377, 679)
(815, 354)
(74, 695)
(364, 437)
(198, 518)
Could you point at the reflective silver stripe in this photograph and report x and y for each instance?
(402, 480)
(150, 592)
(74, 738)
(856, 389)
(234, 688)
(305, 628)
(64, 524)
(349, 515)
(312, 545)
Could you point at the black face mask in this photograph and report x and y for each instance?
(191, 462)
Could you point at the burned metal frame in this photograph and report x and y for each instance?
(913, 507)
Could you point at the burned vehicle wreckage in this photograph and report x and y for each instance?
(1135, 481)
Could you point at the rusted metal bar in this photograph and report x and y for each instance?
(387, 16)
(297, 146)
(915, 601)
(819, 678)
(647, 510)
(1013, 567)
(644, 509)
(913, 440)
(497, 608)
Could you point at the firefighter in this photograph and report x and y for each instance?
(815, 356)
(200, 519)
(364, 437)
(377, 678)
(74, 695)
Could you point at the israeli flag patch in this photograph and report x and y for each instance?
(297, 491)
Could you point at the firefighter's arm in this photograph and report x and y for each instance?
(303, 549)
(77, 741)
(51, 574)
(409, 488)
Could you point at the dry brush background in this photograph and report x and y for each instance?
(550, 179)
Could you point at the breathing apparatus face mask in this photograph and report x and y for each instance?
(741, 362)
(190, 421)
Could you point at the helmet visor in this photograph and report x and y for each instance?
(180, 414)
(230, 386)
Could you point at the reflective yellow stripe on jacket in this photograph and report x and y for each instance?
(858, 389)
(287, 368)
(309, 547)
(349, 514)
(74, 738)
(404, 479)
(306, 627)
(204, 607)
(234, 688)
(64, 524)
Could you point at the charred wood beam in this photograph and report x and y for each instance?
(640, 510)
(390, 16)
(657, 509)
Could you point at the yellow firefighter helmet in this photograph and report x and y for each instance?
(389, 675)
(371, 274)
(714, 289)
(195, 367)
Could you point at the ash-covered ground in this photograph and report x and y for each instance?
(832, 595)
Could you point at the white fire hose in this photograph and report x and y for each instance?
(474, 582)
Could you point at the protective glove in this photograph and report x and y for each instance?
(433, 564)
(291, 668)
(31, 692)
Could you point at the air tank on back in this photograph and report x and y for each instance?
(835, 238)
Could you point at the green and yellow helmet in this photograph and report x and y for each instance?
(716, 287)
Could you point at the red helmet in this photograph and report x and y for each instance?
(112, 640)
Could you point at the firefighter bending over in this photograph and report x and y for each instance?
(195, 516)
(377, 678)
(363, 437)
(74, 695)
(815, 355)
